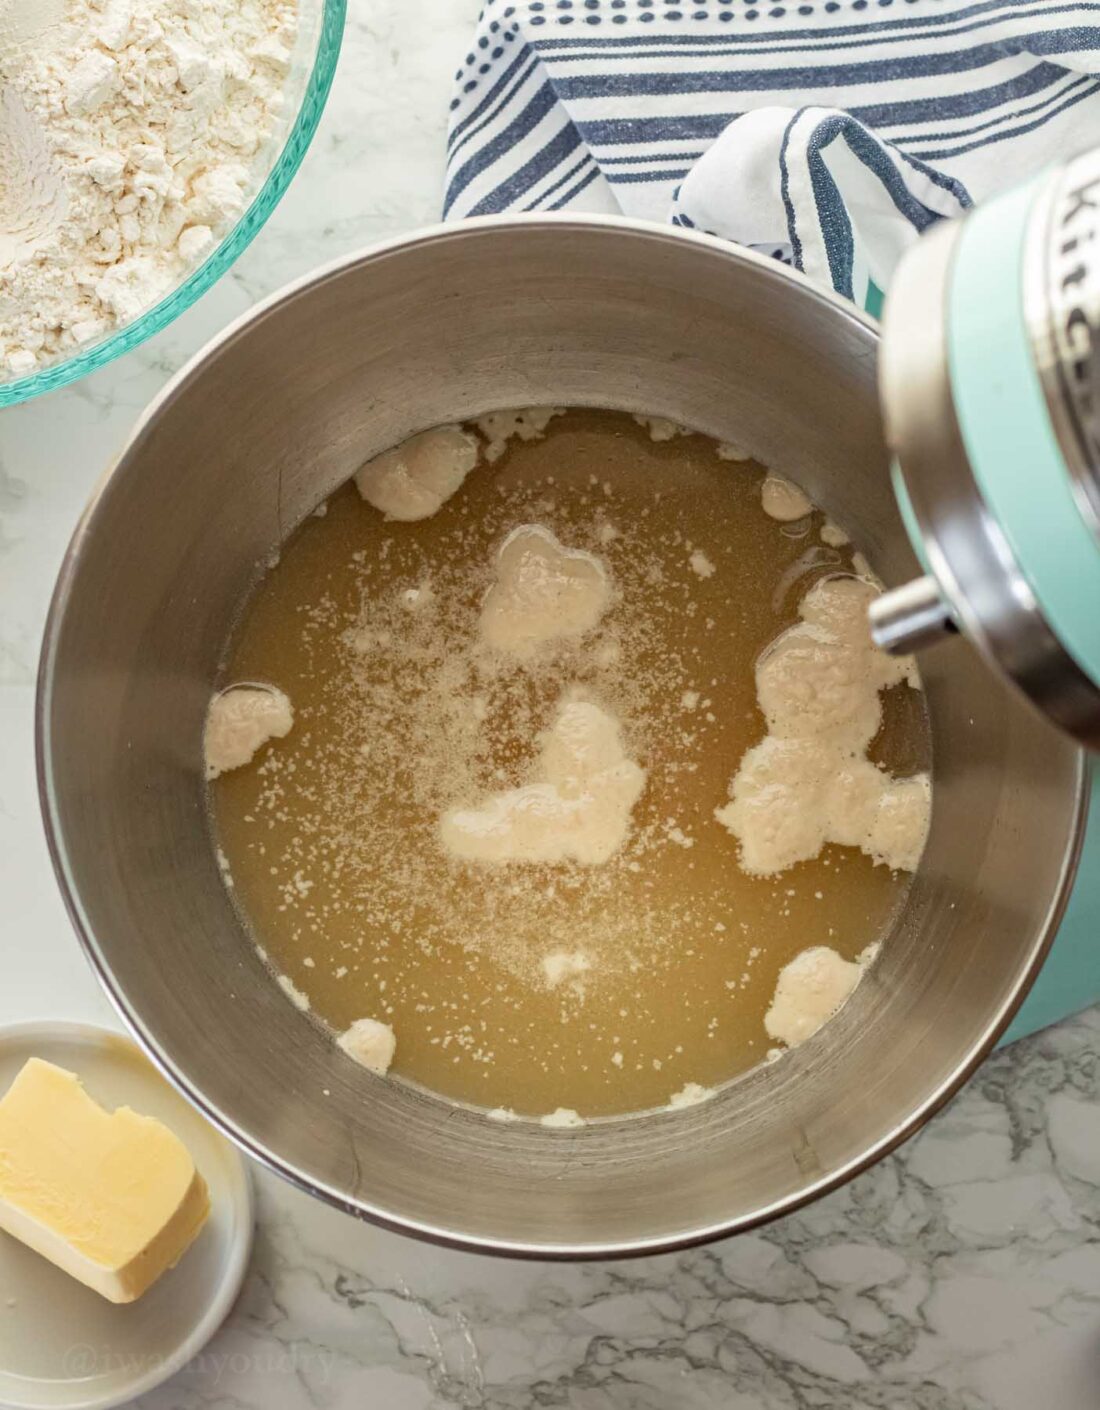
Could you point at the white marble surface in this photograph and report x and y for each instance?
(962, 1274)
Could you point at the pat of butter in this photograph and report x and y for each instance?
(113, 1198)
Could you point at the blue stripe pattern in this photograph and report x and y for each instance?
(829, 133)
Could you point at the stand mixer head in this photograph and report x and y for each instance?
(990, 386)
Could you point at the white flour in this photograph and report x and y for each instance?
(129, 137)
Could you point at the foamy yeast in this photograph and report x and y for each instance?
(525, 423)
(240, 721)
(809, 781)
(576, 807)
(690, 1094)
(415, 478)
(810, 990)
(783, 500)
(543, 592)
(563, 965)
(371, 1043)
(660, 428)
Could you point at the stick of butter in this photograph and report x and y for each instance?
(113, 1198)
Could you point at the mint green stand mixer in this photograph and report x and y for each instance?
(990, 385)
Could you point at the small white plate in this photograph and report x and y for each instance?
(62, 1345)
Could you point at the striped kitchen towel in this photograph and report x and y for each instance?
(828, 133)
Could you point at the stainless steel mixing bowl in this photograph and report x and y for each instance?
(274, 415)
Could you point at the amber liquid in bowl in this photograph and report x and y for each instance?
(331, 836)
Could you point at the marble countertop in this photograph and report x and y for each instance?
(962, 1273)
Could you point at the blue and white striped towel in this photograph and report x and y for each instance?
(829, 133)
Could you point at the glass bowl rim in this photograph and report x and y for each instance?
(229, 248)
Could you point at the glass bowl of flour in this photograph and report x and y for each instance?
(143, 143)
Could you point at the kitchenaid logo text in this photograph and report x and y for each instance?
(1074, 293)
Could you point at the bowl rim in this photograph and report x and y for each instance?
(228, 249)
(901, 1130)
